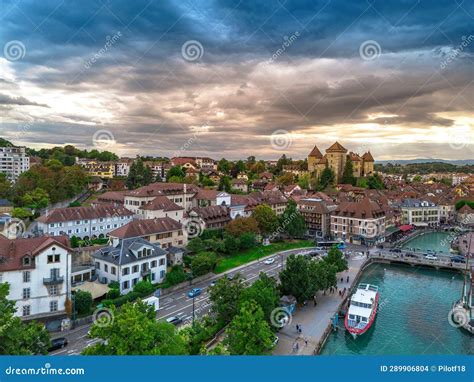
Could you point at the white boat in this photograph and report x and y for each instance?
(362, 309)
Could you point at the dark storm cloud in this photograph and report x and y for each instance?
(156, 99)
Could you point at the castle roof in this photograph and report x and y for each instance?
(367, 157)
(337, 147)
(315, 153)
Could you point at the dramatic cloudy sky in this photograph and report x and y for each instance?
(237, 78)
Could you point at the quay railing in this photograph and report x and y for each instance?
(414, 259)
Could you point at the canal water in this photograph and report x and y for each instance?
(436, 241)
(412, 318)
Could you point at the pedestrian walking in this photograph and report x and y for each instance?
(298, 328)
(297, 347)
(342, 279)
(305, 341)
(347, 279)
(301, 329)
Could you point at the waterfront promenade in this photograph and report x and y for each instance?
(316, 319)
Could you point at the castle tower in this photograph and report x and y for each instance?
(367, 164)
(336, 157)
(313, 159)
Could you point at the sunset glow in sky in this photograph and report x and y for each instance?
(220, 77)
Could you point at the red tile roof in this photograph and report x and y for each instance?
(83, 213)
(161, 202)
(337, 147)
(365, 209)
(139, 228)
(13, 251)
(315, 153)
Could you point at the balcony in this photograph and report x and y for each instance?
(55, 280)
(145, 272)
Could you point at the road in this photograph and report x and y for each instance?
(179, 304)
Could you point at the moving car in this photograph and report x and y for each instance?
(269, 261)
(431, 257)
(175, 320)
(194, 292)
(57, 343)
(458, 259)
(212, 283)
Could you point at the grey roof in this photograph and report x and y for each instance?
(417, 203)
(5, 203)
(124, 252)
(175, 250)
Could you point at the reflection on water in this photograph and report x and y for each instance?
(412, 317)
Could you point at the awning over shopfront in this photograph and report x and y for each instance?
(406, 227)
(391, 230)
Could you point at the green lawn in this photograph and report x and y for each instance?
(226, 263)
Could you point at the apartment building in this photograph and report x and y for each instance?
(84, 222)
(359, 222)
(317, 216)
(420, 212)
(130, 261)
(13, 162)
(38, 271)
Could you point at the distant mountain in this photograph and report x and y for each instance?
(459, 162)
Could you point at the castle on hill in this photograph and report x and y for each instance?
(335, 158)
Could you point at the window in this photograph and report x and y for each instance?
(125, 271)
(53, 290)
(152, 277)
(26, 310)
(125, 285)
(54, 272)
(54, 259)
(26, 261)
(153, 264)
(162, 274)
(97, 265)
(26, 276)
(53, 306)
(162, 261)
(26, 293)
(135, 281)
(113, 270)
(106, 268)
(135, 269)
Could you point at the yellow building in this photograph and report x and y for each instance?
(335, 158)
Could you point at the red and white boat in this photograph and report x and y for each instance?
(362, 309)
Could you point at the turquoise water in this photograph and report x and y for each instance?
(412, 317)
(436, 241)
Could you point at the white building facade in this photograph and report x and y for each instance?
(13, 162)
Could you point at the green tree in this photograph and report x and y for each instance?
(266, 218)
(325, 275)
(264, 292)
(304, 181)
(249, 333)
(139, 175)
(38, 198)
(196, 245)
(225, 184)
(239, 226)
(74, 242)
(176, 171)
(298, 278)
(176, 275)
(375, 182)
(16, 337)
(5, 186)
(286, 179)
(247, 240)
(348, 173)
(326, 179)
(21, 213)
(336, 257)
(225, 296)
(202, 263)
(292, 221)
(231, 244)
(83, 301)
(135, 331)
(224, 166)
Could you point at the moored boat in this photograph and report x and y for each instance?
(362, 309)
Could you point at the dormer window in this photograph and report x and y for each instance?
(26, 261)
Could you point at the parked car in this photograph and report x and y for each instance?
(431, 257)
(269, 261)
(458, 259)
(396, 250)
(194, 292)
(57, 343)
(175, 320)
